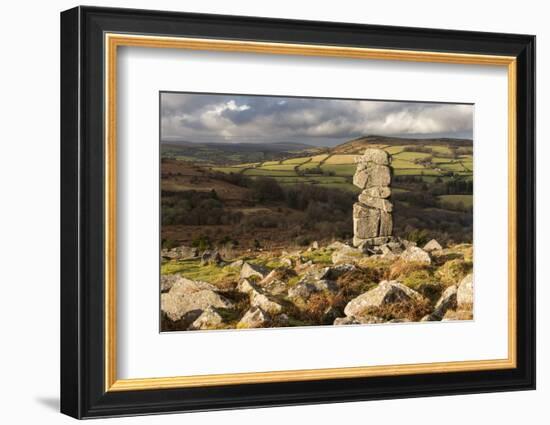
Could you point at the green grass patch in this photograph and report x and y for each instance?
(192, 269)
(399, 163)
(440, 149)
(228, 170)
(411, 156)
(340, 169)
(467, 200)
(296, 161)
(278, 167)
(455, 166)
(319, 256)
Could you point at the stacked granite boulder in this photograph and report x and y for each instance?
(372, 215)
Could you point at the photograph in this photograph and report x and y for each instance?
(281, 212)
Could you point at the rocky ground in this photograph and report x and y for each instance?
(335, 284)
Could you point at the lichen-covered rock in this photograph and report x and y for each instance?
(265, 302)
(334, 272)
(387, 292)
(236, 264)
(211, 257)
(465, 293)
(255, 317)
(248, 270)
(365, 221)
(378, 156)
(413, 254)
(432, 245)
(386, 224)
(246, 287)
(177, 284)
(371, 176)
(180, 253)
(178, 306)
(447, 301)
(209, 319)
(377, 192)
(346, 254)
(377, 203)
(303, 290)
(276, 287)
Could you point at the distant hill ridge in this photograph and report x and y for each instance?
(355, 146)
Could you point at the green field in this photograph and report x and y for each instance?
(467, 200)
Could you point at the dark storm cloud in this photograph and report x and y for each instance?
(218, 118)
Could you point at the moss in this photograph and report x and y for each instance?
(193, 269)
(453, 271)
(293, 280)
(417, 278)
(318, 256)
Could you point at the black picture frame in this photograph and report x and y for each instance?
(83, 392)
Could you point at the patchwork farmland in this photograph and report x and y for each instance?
(440, 162)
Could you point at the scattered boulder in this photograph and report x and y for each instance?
(209, 319)
(286, 262)
(432, 245)
(387, 292)
(414, 254)
(447, 301)
(236, 264)
(346, 254)
(168, 280)
(306, 288)
(246, 287)
(180, 253)
(337, 245)
(301, 267)
(177, 284)
(211, 257)
(255, 317)
(248, 270)
(314, 245)
(189, 306)
(265, 302)
(334, 272)
(465, 293)
(281, 273)
(406, 243)
(276, 287)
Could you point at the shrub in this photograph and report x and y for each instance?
(412, 311)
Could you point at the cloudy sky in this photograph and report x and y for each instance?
(323, 122)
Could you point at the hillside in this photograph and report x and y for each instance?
(231, 153)
(357, 146)
(426, 160)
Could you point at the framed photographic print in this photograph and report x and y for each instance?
(261, 212)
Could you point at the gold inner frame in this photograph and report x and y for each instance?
(113, 41)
